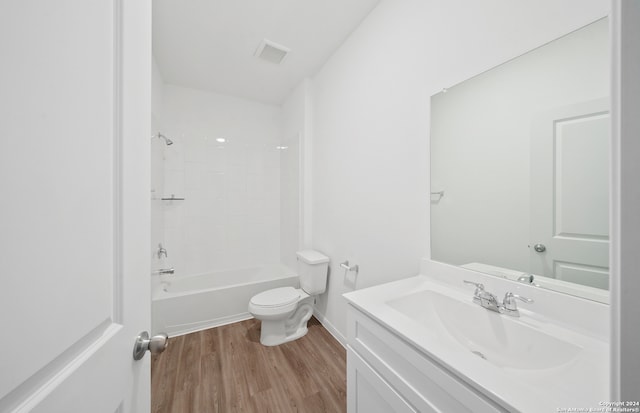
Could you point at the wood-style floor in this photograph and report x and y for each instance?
(226, 370)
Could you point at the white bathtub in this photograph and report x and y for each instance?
(190, 303)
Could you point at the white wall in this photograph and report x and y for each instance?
(157, 90)
(483, 126)
(371, 123)
(231, 214)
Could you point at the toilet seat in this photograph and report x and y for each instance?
(277, 297)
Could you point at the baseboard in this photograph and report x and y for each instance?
(330, 328)
(175, 331)
(180, 330)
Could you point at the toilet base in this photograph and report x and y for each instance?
(276, 332)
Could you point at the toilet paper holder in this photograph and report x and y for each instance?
(348, 267)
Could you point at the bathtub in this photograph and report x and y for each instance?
(184, 304)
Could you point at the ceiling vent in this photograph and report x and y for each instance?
(272, 52)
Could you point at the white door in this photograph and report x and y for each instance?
(570, 194)
(74, 204)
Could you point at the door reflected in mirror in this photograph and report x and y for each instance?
(521, 155)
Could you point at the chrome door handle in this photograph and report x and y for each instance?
(539, 248)
(156, 344)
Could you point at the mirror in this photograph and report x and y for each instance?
(520, 167)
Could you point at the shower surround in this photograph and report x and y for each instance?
(226, 165)
(227, 161)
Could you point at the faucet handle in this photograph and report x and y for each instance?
(479, 286)
(161, 250)
(509, 302)
(526, 278)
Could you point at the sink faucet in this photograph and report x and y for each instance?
(510, 306)
(484, 298)
(490, 301)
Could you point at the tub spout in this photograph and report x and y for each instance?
(165, 271)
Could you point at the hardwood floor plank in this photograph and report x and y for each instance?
(211, 383)
(233, 387)
(207, 341)
(253, 361)
(319, 402)
(226, 370)
(188, 372)
(164, 367)
(300, 368)
(273, 400)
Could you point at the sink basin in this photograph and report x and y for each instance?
(499, 339)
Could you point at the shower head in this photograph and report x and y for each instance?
(166, 140)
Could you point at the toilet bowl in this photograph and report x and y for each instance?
(284, 311)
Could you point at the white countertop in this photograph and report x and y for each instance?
(582, 382)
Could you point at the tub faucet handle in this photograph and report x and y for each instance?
(161, 251)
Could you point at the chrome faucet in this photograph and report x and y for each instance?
(165, 271)
(484, 298)
(161, 251)
(490, 301)
(510, 306)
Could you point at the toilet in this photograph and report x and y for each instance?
(284, 311)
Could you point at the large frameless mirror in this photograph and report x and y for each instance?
(520, 167)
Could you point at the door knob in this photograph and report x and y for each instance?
(539, 248)
(156, 344)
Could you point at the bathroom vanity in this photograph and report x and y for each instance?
(387, 374)
(422, 345)
(511, 216)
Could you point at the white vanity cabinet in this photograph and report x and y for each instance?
(387, 374)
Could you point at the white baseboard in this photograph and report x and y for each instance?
(330, 328)
(180, 330)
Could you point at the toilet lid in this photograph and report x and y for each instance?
(276, 297)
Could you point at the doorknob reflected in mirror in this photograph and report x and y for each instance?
(539, 248)
(156, 344)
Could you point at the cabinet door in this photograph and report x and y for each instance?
(367, 392)
(420, 381)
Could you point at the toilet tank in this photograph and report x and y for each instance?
(313, 267)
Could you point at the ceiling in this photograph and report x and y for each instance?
(210, 44)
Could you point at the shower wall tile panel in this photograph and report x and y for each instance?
(230, 217)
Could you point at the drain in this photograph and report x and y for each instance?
(479, 354)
